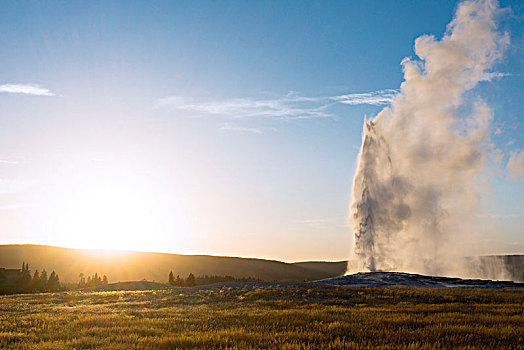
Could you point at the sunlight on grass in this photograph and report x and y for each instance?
(257, 316)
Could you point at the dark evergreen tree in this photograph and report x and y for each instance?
(43, 281)
(35, 282)
(202, 280)
(24, 281)
(178, 281)
(53, 284)
(104, 280)
(171, 278)
(82, 280)
(190, 280)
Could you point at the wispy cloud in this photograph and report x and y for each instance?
(284, 108)
(290, 106)
(10, 162)
(27, 89)
(375, 98)
(494, 75)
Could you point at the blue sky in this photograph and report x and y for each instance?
(237, 121)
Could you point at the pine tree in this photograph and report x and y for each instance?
(43, 280)
(178, 281)
(35, 282)
(190, 280)
(54, 282)
(24, 281)
(171, 278)
(82, 280)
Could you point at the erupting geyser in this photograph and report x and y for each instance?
(416, 185)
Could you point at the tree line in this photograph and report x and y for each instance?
(91, 281)
(191, 280)
(38, 282)
(44, 282)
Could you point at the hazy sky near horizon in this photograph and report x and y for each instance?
(219, 127)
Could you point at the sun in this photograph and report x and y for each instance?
(108, 215)
(112, 210)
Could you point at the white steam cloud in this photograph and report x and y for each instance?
(416, 183)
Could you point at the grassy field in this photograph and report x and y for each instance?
(264, 315)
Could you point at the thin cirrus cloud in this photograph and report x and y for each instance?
(290, 106)
(494, 76)
(283, 108)
(26, 89)
(375, 98)
(10, 162)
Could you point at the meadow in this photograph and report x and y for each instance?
(265, 315)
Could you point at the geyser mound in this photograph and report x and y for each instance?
(416, 186)
(385, 279)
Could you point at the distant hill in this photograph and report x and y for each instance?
(136, 266)
(337, 268)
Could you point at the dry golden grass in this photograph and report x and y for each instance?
(262, 315)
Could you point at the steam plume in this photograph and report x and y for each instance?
(416, 183)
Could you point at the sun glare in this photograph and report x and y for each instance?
(112, 210)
